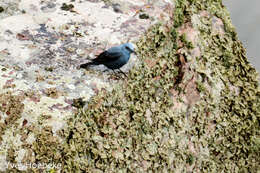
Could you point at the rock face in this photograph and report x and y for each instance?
(43, 43)
(190, 102)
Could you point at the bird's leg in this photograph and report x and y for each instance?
(116, 74)
(122, 72)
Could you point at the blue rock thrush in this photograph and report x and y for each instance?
(113, 58)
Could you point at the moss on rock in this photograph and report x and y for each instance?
(178, 111)
(12, 107)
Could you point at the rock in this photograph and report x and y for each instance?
(191, 98)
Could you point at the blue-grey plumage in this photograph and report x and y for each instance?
(113, 58)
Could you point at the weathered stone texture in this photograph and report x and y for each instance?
(190, 102)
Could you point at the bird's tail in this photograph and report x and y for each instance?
(87, 64)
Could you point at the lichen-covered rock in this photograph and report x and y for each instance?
(191, 105)
(42, 43)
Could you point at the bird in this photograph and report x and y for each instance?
(113, 58)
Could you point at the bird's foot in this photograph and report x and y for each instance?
(116, 75)
(122, 72)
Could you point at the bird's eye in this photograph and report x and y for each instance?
(128, 48)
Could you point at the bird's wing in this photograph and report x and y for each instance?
(108, 56)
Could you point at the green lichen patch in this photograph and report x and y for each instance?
(12, 106)
(200, 86)
(52, 92)
(187, 43)
(236, 113)
(144, 16)
(47, 148)
(78, 103)
(67, 7)
(50, 69)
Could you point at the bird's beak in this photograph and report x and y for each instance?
(134, 52)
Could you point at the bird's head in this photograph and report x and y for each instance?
(129, 47)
